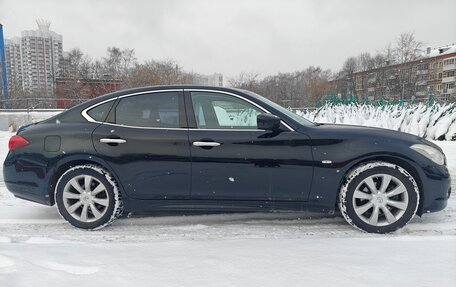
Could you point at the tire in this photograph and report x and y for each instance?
(88, 197)
(378, 197)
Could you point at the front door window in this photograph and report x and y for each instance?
(219, 111)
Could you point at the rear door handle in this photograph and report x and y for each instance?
(204, 144)
(112, 141)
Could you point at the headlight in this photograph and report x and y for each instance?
(431, 153)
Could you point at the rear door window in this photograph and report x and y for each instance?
(155, 110)
(100, 112)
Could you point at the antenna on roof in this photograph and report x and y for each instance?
(43, 24)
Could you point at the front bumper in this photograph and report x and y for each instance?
(436, 189)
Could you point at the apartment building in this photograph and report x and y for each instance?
(13, 60)
(431, 75)
(33, 61)
(447, 87)
(42, 50)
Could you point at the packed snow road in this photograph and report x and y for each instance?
(37, 248)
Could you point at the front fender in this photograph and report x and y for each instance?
(328, 178)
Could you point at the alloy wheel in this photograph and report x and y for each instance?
(380, 199)
(85, 198)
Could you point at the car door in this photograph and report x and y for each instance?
(233, 160)
(145, 143)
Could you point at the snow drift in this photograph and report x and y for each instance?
(435, 122)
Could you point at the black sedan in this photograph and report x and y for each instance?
(194, 148)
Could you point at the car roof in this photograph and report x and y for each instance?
(169, 87)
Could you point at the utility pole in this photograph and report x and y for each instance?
(3, 63)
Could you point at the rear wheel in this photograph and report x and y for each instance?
(379, 197)
(87, 197)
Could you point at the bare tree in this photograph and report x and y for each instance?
(113, 62)
(246, 80)
(78, 65)
(128, 60)
(389, 54)
(298, 89)
(365, 62)
(349, 69)
(163, 72)
(407, 48)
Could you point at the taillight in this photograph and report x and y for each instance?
(16, 142)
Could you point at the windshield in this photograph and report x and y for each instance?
(285, 111)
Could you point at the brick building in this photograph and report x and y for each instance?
(432, 74)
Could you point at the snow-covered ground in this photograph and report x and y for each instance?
(37, 248)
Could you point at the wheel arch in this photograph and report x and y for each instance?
(397, 160)
(74, 160)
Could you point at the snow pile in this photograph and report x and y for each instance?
(436, 122)
(13, 119)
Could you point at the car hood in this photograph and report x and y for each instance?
(377, 134)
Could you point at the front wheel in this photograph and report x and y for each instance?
(379, 197)
(87, 197)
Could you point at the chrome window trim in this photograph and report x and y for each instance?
(90, 119)
(240, 97)
(186, 129)
(137, 127)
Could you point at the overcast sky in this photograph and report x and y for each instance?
(232, 36)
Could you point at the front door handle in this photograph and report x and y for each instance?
(112, 141)
(206, 144)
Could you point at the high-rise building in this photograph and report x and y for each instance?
(42, 50)
(13, 63)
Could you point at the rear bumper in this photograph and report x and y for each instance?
(26, 180)
(27, 191)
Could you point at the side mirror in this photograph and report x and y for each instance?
(268, 122)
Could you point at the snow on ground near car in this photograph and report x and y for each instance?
(37, 248)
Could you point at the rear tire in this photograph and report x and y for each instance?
(88, 197)
(379, 197)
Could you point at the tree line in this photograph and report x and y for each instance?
(305, 88)
(123, 65)
(294, 89)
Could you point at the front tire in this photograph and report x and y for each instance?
(379, 197)
(87, 197)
